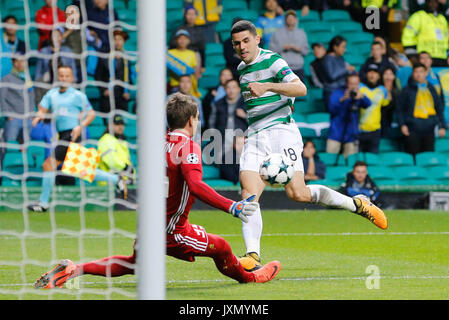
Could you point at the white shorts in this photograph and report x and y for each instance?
(282, 138)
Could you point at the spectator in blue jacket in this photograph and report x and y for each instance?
(335, 68)
(9, 44)
(359, 182)
(344, 105)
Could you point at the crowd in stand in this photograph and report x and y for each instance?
(363, 103)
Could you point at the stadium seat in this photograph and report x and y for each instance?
(173, 5)
(442, 145)
(234, 6)
(214, 49)
(311, 27)
(210, 172)
(299, 117)
(430, 159)
(323, 37)
(210, 78)
(396, 159)
(361, 38)
(335, 15)
(35, 156)
(337, 174)
(353, 158)
(371, 159)
(308, 133)
(346, 27)
(332, 159)
(215, 61)
(381, 173)
(354, 58)
(320, 145)
(217, 183)
(312, 16)
(439, 173)
(410, 173)
(95, 132)
(318, 117)
(387, 145)
(250, 15)
(303, 107)
(307, 61)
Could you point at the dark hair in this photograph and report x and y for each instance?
(310, 141)
(424, 52)
(317, 44)
(180, 108)
(352, 74)
(244, 25)
(335, 41)
(9, 17)
(185, 75)
(359, 163)
(419, 65)
(376, 43)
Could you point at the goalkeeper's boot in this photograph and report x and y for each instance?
(38, 207)
(122, 187)
(250, 261)
(367, 209)
(267, 272)
(57, 276)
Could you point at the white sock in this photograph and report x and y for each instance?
(252, 231)
(328, 197)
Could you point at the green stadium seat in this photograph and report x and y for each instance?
(387, 145)
(353, 158)
(215, 61)
(119, 5)
(130, 131)
(410, 173)
(312, 27)
(430, 159)
(442, 145)
(396, 159)
(308, 133)
(335, 15)
(381, 173)
(95, 132)
(303, 107)
(250, 15)
(307, 61)
(354, 58)
(128, 16)
(439, 173)
(173, 5)
(320, 144)
(299, 117)
(210, 172)
(12, 159)
(312, 16)
(337, 174)
(35, 156)
(323, 37)
(346, 27)
(372, 159)
(8, 182)
(318, 117)
(214, 49)
(217, 183)
(332, 159)
(175, 17)
(360, 38)
(234, 6)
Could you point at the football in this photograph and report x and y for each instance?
(276, 170)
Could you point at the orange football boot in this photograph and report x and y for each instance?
(367, 209)
(57, 276)
(267, 272)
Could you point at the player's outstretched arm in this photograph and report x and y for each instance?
(202, 191)
(295, 88)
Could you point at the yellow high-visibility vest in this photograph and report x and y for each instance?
(378, 3)
(428, 33)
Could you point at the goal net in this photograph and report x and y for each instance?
(84, 220)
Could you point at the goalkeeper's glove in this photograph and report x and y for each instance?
(243, 209)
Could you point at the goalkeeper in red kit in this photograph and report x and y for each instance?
(185, 241)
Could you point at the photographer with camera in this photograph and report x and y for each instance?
(344, 105)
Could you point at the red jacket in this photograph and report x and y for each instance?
(45, 16)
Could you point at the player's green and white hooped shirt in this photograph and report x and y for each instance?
(270, 108)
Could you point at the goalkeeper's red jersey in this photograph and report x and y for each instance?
(185, 174)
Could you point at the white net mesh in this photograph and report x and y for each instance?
(82, 222)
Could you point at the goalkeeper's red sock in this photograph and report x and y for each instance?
(113, 266)
(225, 261)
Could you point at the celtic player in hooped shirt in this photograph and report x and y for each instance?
(269, 88)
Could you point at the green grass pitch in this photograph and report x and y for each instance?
(328, 254)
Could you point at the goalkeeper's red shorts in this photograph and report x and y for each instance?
(190, 242)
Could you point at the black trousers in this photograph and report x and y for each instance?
(369, 141)
(416, 143)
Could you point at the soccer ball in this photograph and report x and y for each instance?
(276, 170)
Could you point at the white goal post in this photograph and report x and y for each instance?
(151, 127)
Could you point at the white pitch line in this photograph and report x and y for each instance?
(299, 279)
(294, 234)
